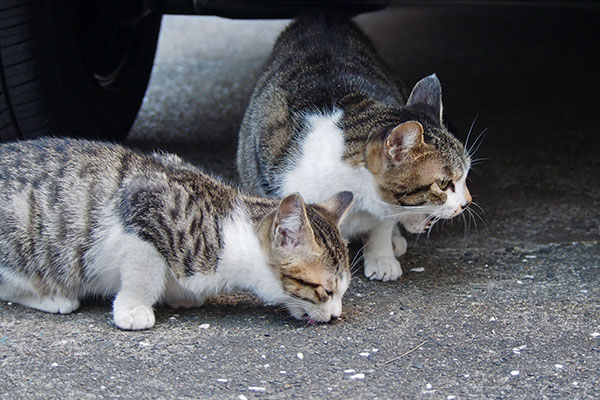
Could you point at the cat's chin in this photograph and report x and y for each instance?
(417, 223)
(302, 315)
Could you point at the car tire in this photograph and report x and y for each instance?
(73, 68)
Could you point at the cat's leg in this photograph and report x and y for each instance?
(18, 290)
(143, 275)
(380, 262)
(399, 243)
(176, 296)
(53, 304)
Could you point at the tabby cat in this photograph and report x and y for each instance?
(82, 218)
(326, 115)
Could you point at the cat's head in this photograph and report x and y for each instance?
(418, 164)
(308, 253)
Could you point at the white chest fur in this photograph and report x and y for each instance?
(319, 171)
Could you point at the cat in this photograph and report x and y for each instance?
(327, 115)
(83, 218)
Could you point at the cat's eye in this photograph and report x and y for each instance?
(443, 183)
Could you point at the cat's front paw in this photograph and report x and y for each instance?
(135, 318)
(382, 268)
(399, 244)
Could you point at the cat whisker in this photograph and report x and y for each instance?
(471, 218)
(471, 130)
(479, 207)
(358, 252)
(405, 208)
(476, 214)
(478, 161)
(435, 220)
(357, 267)
(467, 229)
(305, 305)
(476, 144)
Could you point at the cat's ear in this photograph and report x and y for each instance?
(291, 228)
(338, 205)
(427, 96)
(402, 139)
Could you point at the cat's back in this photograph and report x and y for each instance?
(318, 64)
(54, 161)
(320, 58)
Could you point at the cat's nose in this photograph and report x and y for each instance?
(335, 309)
(467, 201)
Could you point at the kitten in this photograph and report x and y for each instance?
(82, 218)
(326, 115)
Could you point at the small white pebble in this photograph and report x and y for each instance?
(364, 354)
(357, 376)
(516, 351)
(222, 380)
(492, 319)
(204, 326)
(595, 334)
(584, 291)
(266, 366)
(263, 356)
(257, 388)
(54, 365)
(514, 373)
(300, 356)
(530, 256)
(428, 386)
(392, 313)
(575, 383)
(418, 269)
(528, 277)
(374, 350)
(242, 397)
(558, 366)
(450, 397)
(282, 372)
(143, 343)
(349, 371)
(520, 282)
(9, 303)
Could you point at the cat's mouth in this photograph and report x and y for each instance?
(303, 315)
(308, 319)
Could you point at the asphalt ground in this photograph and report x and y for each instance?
(502, 306)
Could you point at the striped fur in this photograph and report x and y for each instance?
(81, 218)
(325, 83)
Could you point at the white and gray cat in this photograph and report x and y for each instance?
(82, 218)
(326, 115)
